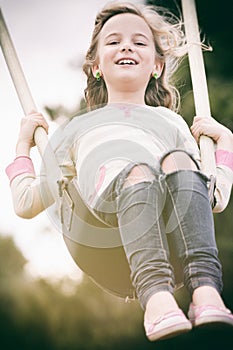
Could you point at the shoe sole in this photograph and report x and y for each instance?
(170, 332)
(213, 321)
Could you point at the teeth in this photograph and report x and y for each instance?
(126, 62)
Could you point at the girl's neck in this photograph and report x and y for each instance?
(126, 97)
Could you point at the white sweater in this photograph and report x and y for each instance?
(95, 147)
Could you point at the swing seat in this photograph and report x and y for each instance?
(95, 247)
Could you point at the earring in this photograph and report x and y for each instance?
(155, 75)
(98, 75)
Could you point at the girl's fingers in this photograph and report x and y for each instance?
(42, 123)
(209, 127)
(36, 119)
(201, 126)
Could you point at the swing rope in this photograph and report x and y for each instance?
(28, 104)
(199, 82)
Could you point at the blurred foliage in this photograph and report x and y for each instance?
(35, 314)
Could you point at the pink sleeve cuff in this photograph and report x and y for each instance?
(224, 158)
(21, 165)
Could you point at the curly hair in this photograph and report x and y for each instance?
(170, 45)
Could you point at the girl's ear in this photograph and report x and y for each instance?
(96, 70)
(158, 69)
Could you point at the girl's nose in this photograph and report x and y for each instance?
(126, 47)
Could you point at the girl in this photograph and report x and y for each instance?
(138, 167)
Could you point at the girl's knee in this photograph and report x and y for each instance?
(176, 161)
(139, 173)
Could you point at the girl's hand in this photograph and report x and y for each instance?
(27, 129)
(209, 127)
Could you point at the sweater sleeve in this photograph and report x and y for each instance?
(21, 165)
(224, 180)
(224, 165)
(30, 194)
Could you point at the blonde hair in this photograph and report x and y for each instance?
(170, 46)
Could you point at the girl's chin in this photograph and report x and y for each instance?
(127, 76)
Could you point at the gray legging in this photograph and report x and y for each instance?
(171, 211)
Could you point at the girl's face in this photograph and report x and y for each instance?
(126, 53)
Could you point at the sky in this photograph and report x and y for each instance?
(50, 37)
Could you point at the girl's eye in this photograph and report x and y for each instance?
(139, 43)
(113, 42)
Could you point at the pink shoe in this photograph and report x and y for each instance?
(200, 315)
(171, 324)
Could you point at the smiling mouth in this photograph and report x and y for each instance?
(129, 62)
